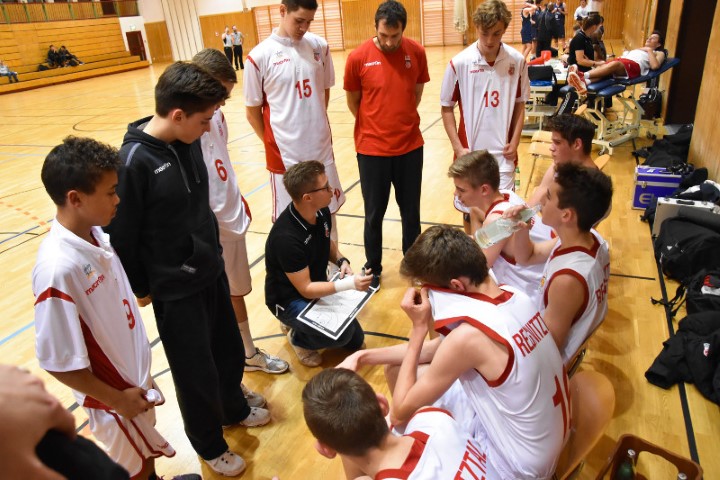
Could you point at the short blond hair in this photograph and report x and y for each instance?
(490, 13)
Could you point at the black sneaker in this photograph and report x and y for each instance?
(375, 284)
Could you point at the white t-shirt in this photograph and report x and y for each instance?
(487, 96)
(523, 277)
(525, 413)
(592, 269)
(580, 12)
(288, 79)
(86, 317)
(231, 209)
(641, 57)
(442, 450)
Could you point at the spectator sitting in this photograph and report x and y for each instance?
(53, 57)
(68, 59)
(6, 72)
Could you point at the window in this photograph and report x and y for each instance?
(438, 24)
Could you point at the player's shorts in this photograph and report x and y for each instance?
(129, 442)
(237, 266)
(281, 199)
(507, 182)
(631, 67)
(559, 31)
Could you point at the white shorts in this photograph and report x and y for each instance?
(281, 199)
(129, 442)
(237, 267)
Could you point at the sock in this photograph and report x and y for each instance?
(587, 77)
(247, 339)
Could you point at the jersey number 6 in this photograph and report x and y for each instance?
(222, 173)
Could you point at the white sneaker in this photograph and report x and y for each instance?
(257, 418)
(229, 464)
(265, 362)
(254, 399)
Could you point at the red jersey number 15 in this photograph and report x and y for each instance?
(304, 90)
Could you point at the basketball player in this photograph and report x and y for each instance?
(577, 265)
(233, 214)
(166, 235)
(88, 330)
(495, 343)
(572, 137)
(346, 417)
(287, 89)
(476, 179)
(489, 80)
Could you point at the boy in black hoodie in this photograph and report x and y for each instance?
(167, 238)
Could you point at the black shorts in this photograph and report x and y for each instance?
(559, 31)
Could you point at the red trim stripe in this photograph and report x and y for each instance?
(499, 300)
(592, 251)
(411, 461)
(53, 293)
(493, 335)
(579, 278)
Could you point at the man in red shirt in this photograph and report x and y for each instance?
(384, 80)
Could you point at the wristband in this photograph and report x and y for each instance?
(341, 260)
(343, 284)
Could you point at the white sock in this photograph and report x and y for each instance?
(587, 77)
(247, 339)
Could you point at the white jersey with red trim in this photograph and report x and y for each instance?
(641, 57)
(231, 209)
(487, 96)
(86, 317)
(525, 413)
(592, 269)
(525, 278)
(288, 79)
(442, 450)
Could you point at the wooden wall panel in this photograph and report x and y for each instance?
(159, 41)
(213, 26)
(703, 148)
(359, 21)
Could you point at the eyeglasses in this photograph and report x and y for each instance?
(326, 187)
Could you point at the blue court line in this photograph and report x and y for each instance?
(19, 234)
(16, 333)
(256, 189)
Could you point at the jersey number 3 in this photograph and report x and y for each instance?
(129, 313)
(304, 90)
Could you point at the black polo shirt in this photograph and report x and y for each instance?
(292, 245)
(581, 42)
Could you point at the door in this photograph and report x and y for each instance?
(136, 44)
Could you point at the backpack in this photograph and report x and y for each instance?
(685, 247)
(701, 293)
(651, 103)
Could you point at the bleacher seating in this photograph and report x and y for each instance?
(98, 43)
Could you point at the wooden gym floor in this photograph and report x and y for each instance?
(623, 348)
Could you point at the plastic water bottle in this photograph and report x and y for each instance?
(517, 179)
(626, 470)
(502, 228)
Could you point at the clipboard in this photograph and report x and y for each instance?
(332, 314)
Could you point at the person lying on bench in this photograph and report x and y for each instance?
(630, 65)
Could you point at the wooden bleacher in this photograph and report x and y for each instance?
(98, 43)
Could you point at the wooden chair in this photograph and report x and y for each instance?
(602, 160)
(593, 403)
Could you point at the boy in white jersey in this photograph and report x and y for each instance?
(575, 280)
(495, 344)
(572, 137)
(233, 214)
(287, 89)
(89, 333)
(346, 417)
(489, 80)
(476, 179)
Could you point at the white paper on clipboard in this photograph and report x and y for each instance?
(331, 315)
